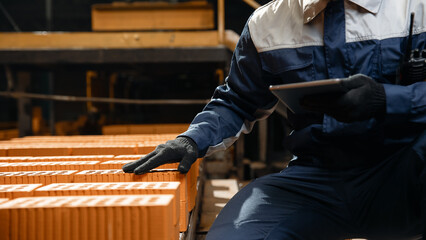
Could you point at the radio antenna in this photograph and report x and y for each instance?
(410, 38)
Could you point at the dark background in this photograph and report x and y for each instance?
(74, 15)
(148, 81)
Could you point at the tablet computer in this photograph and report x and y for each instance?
(290, 94)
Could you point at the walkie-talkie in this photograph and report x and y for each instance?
(413, 66)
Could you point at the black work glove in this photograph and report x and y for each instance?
(364, 99)
(181, 149)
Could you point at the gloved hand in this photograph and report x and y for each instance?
(364, 99)
(181, 149)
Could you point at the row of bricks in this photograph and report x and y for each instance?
(24, 147)
(144, 128)
(78, 144)
(25, 169)
(108, 175)
(144, 217)
(187, 193)
(135, 138)
(71, 165)
(113, 175)
(101, 158)
(67, 149)
(13, 191)
(82, 145)
(47, 177)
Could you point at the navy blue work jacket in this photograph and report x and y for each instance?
(284, 42)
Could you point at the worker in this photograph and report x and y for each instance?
(359, 157)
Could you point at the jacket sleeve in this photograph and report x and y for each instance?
(236, 105)
(406, 104)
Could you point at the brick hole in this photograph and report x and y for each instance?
(150, 185)
(153, 199)
(121, 186)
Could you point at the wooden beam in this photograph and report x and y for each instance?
(231, 39)
(123, 16)
(221, 20)
(78, 40)
(107, 40)
(252, 3)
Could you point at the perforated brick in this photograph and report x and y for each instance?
(188, 181)
(3, 151)
(144, 217)
(49, 166)
(37, 150)
(14, 159)
(145, 148)
(12, 191)
(118, 164)
(188, 189)
(129, 157)
(102, 149)
(114, 188)
(100, 158)
(43, 177)
(117, 175)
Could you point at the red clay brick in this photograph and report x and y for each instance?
(14, 159)
(115, 129)
(184, 216)
(43, 177)
(109, 175)
(117, 175)
(49, 166)
(3, 152)
(104, 150)
(145, 149)
(94, 139)
(100, 158)
(38, 151)
(12, 191)
(111, 188)
(114, 164)
(155, 128)
(129, 157)
(118, 164)
(5, 224)
(142, 217)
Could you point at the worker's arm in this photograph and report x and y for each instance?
(236, 105)
(233, 110)
(406, 104)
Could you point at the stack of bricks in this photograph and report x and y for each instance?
(44, 196)
(116, 188)
(142, 217)
(83, 145)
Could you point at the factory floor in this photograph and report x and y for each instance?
(215, 194)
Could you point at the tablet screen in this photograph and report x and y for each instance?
(290, 94)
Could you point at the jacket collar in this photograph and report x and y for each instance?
(311, 8)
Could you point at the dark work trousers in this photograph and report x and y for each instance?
(304, 202)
